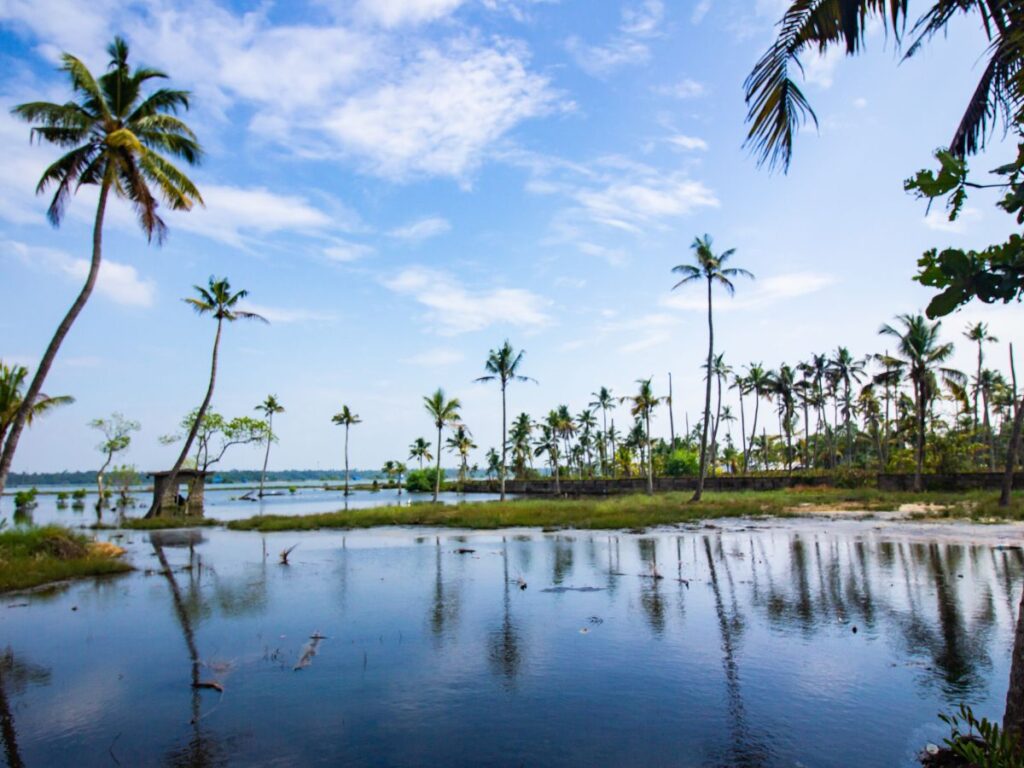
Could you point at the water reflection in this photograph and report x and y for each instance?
(504, 644)
(15, 676)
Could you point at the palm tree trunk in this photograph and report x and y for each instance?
(437, 473)
(173, 476)
(650, 457)
(753, 429)
(558, 485)
(743, 431)
(671, 418)
(849, 423)
(346, 459)
(21, 417)
(990, 437)
(919, 442)
(714, 431)
(807, 437)
(504, 438)
(707, 405)
(1011, 459)
(266, 456)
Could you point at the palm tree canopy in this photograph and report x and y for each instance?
(503, 365)
(116, 135)
(270, 406)
(345, 417)
(919, 346)
(709, 266)
(12, 378)
(602, 399)
(218, 300)
(777, 108)
(420, 449)
(442, 410)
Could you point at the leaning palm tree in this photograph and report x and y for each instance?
(217, 300)
(922, 353)
(603, 399)
(503, 366)
(346, 418)
(777, 109)
(420, 450)
(444, 412)
(268, 408)
(711, 267)
(12, 378)
(115, 135)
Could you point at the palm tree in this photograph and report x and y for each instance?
(979, 334)
(566, 429)
(781, 385)
(115, 135)
(613, 437)
(519, 441)
(217, 300)
(721, 370)
(11, 380)
(587, 422)
(847, 371)
(603, 399)
(444, 412)
(268, 408)
(503, 365)
(346, 418)
(548, 443)
(921, 352)
(420, 450)
(710, 267)
(777, 108)
(461, 442)
(739, 383)
(643, 402)
(757, 382)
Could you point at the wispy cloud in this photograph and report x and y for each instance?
(422, 229)
(343, 251)
(453, 308)
(939, 221)
(700, 10)
(286, 315)
(640, 23)
(763, 292)
(686, 88)
(687, 143)
(393, 13)
(438, 357)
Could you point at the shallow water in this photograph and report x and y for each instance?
(227, 504)
(742, 654)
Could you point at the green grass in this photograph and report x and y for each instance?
(33, 556)
(633, 511)
(166, 523)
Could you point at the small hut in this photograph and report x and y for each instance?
(168, 497)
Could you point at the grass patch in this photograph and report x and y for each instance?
(33, 556)
(630, 511)
(167, 523)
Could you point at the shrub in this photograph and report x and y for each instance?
(682, 461)
(25, 499)
(422, 480)
(990, 748)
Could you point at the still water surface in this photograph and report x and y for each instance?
(743, 654)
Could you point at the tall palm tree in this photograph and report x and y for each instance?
(461, 443)
(720, 370)
(420, 450)
(777, 108)
(782, 383)
(613, 437)
(642, 403)
(115, 135)
(503, 366)
(346, 418)
(603, 399)
(922, 353)
(444, 412)
(12, 378)
(268, 408)
(566, 429)
(739, 383)
(847, 371)
(979, 334)
(217, 300)
(710, 267)
(548, 443)
(519, 441)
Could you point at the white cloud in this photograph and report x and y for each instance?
(441, 112)
(118, 282)
(422, 229)
(700, 10)
(285, 315)
(392, 13)
(686, 88)
(640, 22)
(437, 357)
(939, 221)
(614, 256)
(860, 102)
(762, 292)
(818, 68)
(343, 251)
(687, 142)
(632, 204)
(453, 308)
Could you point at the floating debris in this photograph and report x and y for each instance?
(560, 590)
(464, 551)
(286, 552)
(308, 652)
(212, 685)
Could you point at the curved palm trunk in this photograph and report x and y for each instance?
(21, 417)
(173, 478)
(437, 474)
(714, 431)
(807, 436)
(671, 417)
(504, 438)
(707, 405)
(558, 484)
(346, 459)
(743, 432)
(266, 456)
(849, 423)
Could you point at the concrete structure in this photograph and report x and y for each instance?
(167, 497)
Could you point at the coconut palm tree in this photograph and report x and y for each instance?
(444, 412)
(758, 381)
(612, 437)
(921, 352)
(346, 418)
(603, 399)
(502, 365)
(847, 371)
(12, 378)
(218, 301)
(720, 370)
(777, 108)
(781, 386)
(739, 383)
(979, 334)
(268, 408)
(461, 442)
(548, 444)
(519, 441)
(114, 134)
(420, 450)
(710, 267)
(641, 406)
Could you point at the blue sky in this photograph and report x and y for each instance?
(402, 184)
